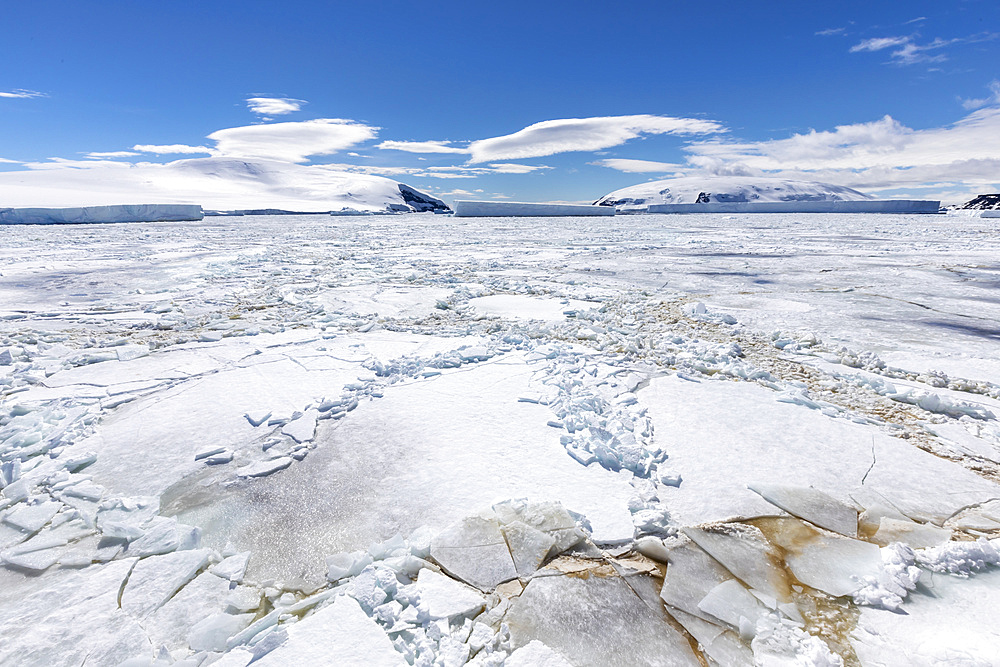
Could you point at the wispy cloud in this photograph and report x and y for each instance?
(916, 20)
(274, 106)
(57, 163)
(422, 147)
(583, 134)
(21, 93)
(831, 31)
(171, 149)
(111, 154)
(879, 43)
(908, 51)
(638, 166)
(976, 103)
(458, 192)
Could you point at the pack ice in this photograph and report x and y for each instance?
(420, 441)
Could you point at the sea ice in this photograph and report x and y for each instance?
(535, 654)
(72, 621)
(946, 621)
(732, 603)
(201, 597)
(721, 645)
(340, 631)
(303, 428)
(528, 546)
(155, 579)
(211, 633)
(475, 551)
(826, 561)
(691, 575)
(264, 468)
(233, 567)
(915, 535)
(745, 552)
(595, 620)
(31, 518)
(811, 505)
(346, 564)
(446, 598)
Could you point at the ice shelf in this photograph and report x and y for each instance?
(98, 214)
(481, 209)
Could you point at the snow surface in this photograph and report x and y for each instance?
(429, 441)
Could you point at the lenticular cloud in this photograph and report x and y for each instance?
(293, 141)
(583, 134)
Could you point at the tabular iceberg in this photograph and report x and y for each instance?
(99, 214)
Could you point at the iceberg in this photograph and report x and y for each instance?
(100, 214)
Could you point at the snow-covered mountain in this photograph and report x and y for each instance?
(988, 202)
(726, 189)
(215, 183)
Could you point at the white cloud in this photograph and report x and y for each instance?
(6, 161)
(994, 98)
(514, 168)
(274, 106)
(112, 154)
(64, 164)
(583, 134)
(421, 147)
(638, 166)
(171, 149)
(910, 52)
(830, 31)
(458, 192)
(879, 43)
(291, 141)
(876, 155)
(438, 171)
(20, 93)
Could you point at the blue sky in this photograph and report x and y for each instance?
(686, 88)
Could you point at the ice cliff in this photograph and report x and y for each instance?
(98, 214)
